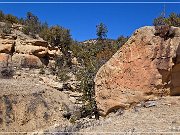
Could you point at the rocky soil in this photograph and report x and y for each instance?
(161, 116)
(28, 104)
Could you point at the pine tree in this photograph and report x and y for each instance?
(101, 31)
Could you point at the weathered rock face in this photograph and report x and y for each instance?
(32, 48)
(147, 65)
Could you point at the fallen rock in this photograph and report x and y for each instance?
(146, 66)
(75, 61)
(75, 94)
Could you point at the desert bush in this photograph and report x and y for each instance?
(172, 20)
(6, 70)
(101, 31)
(62, 74)
(7, 28)
(11, 19)
(162, 31)
(32, 25)
(92, 57)
(2, 16)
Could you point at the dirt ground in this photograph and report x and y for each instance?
(163, 117)
(26, 105)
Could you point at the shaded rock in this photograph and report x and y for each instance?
(141, 69)
(26, 60)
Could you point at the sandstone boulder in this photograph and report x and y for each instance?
(4, 58)
(26, 60)
(6, 46)
(146, 66)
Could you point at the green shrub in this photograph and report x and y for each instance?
(2, 16)
(172, 20)
(62, 74)
(11, 19)
(6, 29)
(32, 25)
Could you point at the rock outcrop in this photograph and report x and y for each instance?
(26, 51)
(148, 65)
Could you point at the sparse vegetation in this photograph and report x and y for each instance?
(32, 25)
(172, 20)
(6, 29)
(92, 57)
(11, 19)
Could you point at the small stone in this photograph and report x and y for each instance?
(72, 99)
(149, 104)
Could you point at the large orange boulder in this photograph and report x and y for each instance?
(148, 65)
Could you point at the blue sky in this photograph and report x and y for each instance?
(81, 19)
